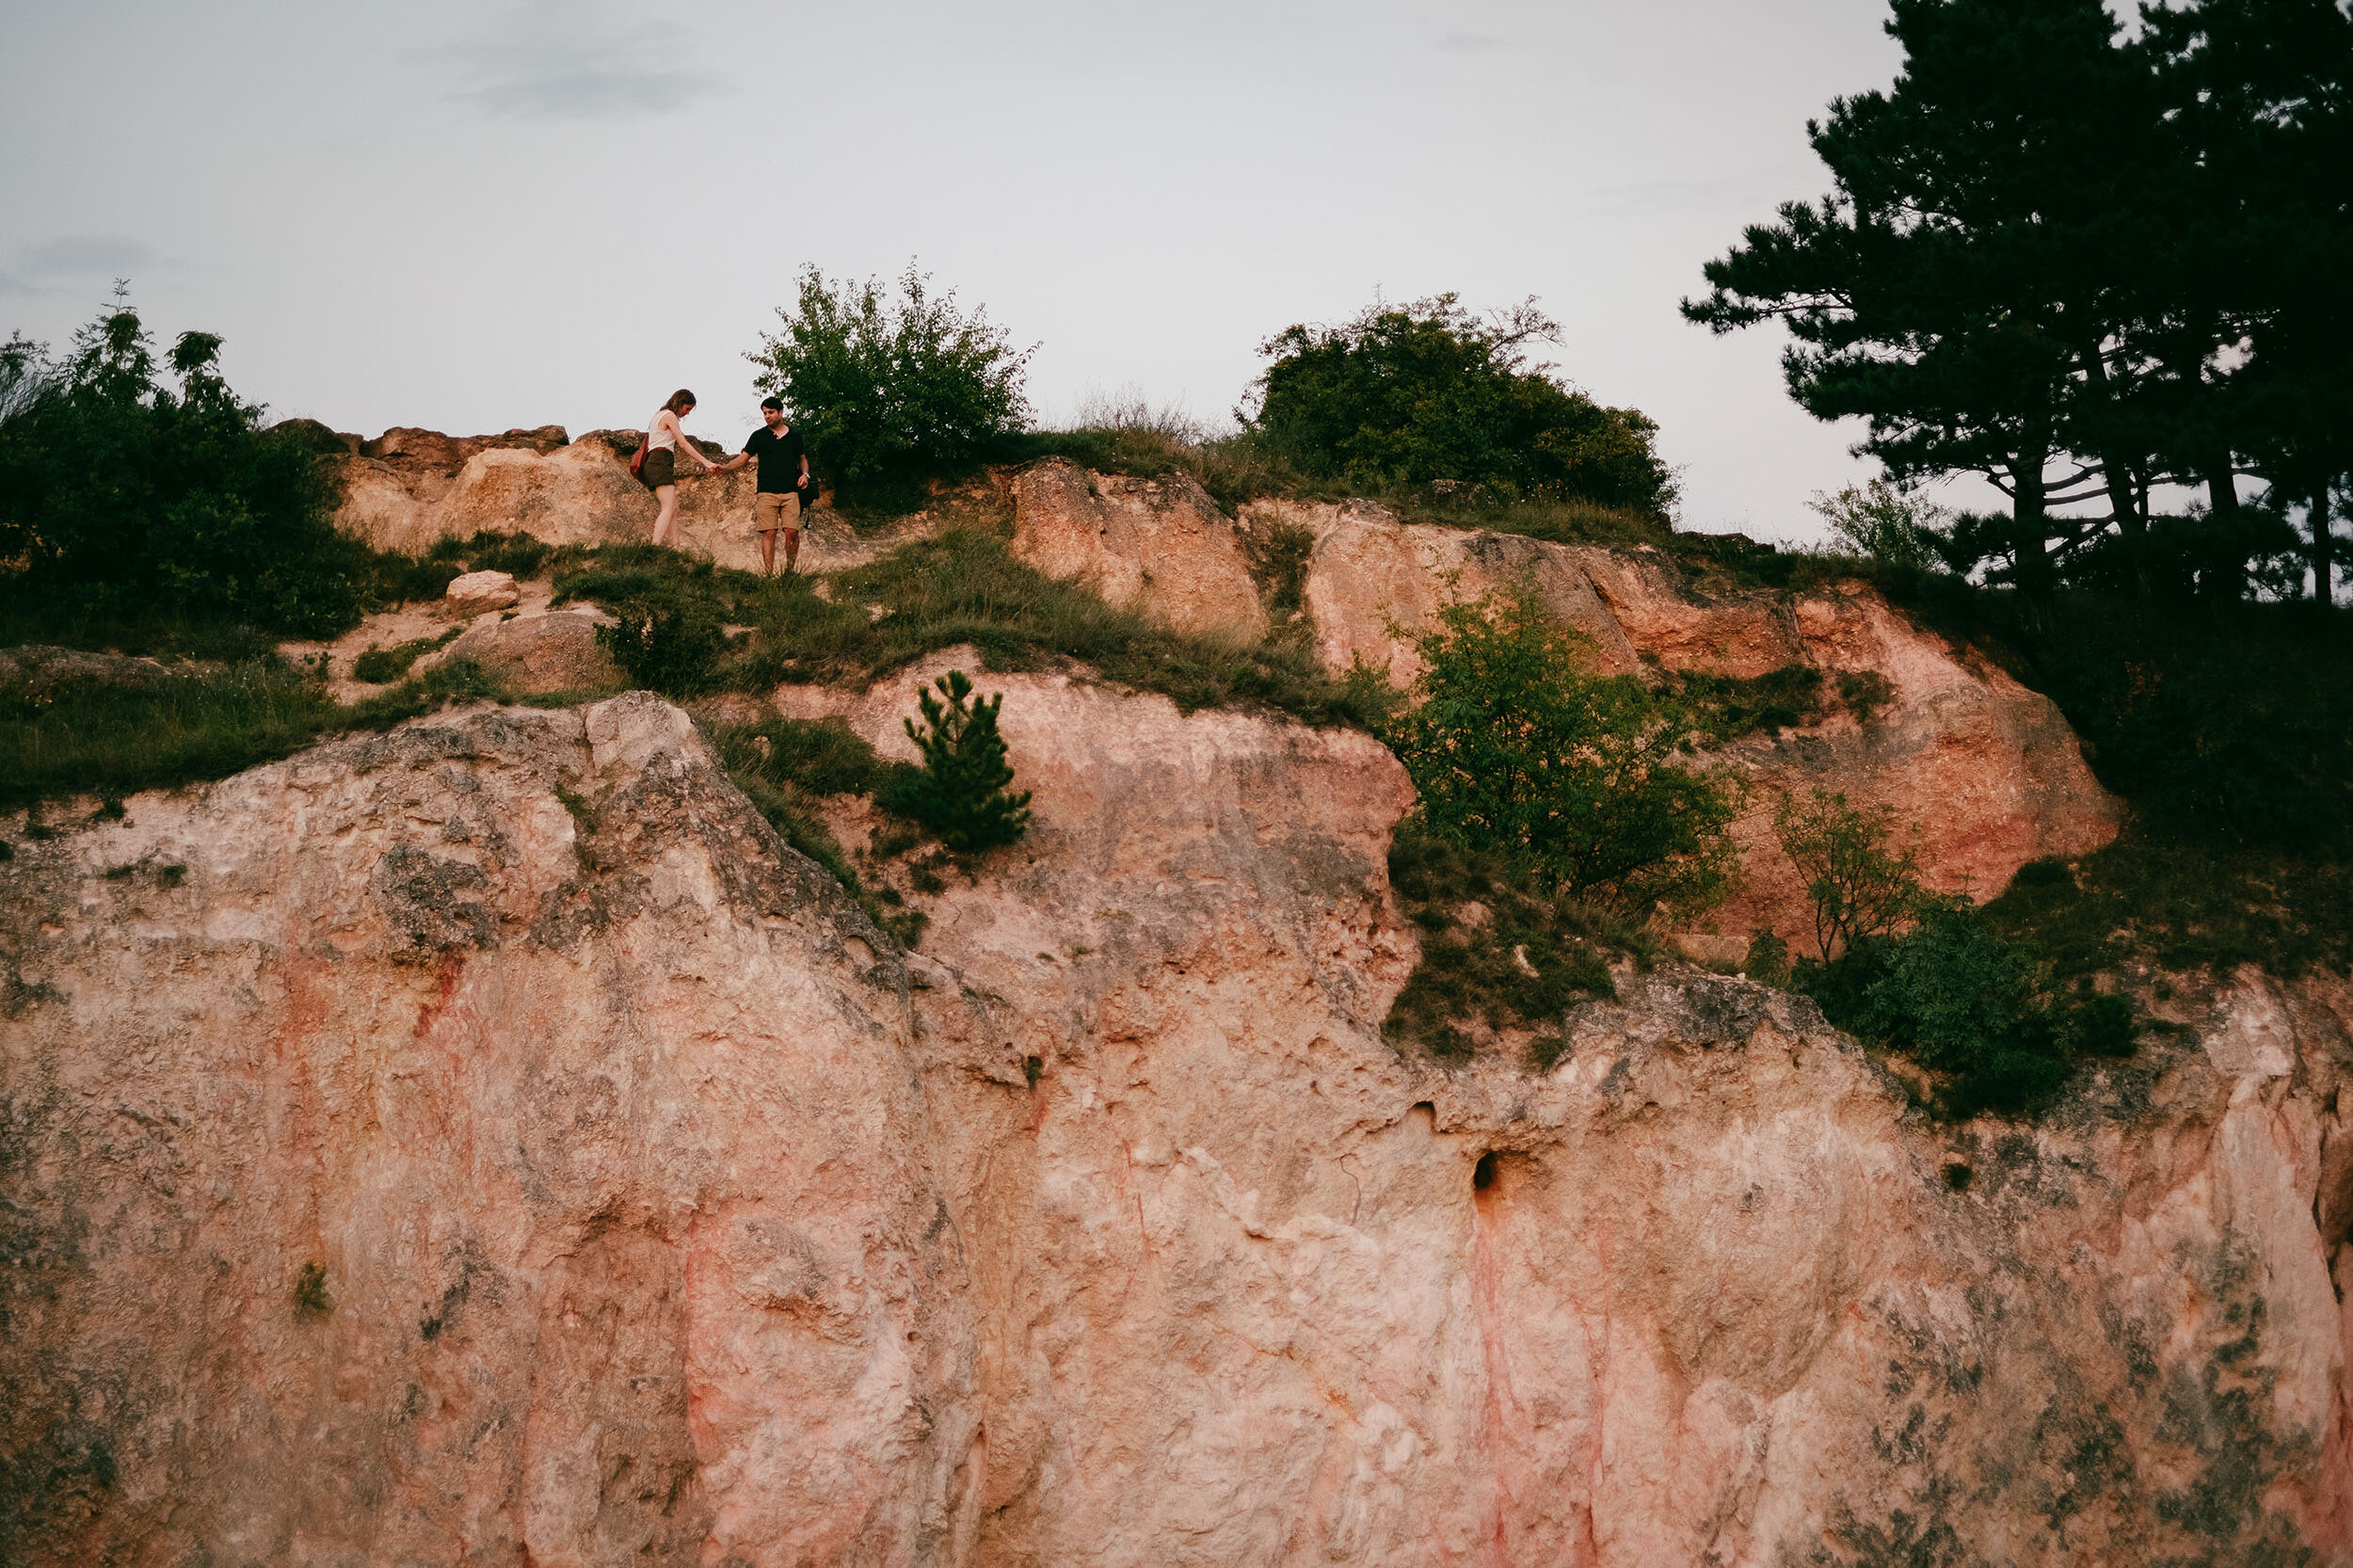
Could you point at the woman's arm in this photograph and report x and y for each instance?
(685, 442)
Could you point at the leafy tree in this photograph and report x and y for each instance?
(888, 392)
(1880, 521)
(1518, 749)
(960, 792)
(1410, 393)
(1860, 887)
(119, 493)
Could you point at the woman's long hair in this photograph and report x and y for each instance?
(681, 401)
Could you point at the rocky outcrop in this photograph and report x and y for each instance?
(486, 1141)
(409, 488)
(478, 1143)
(1987, 773)
(1158, 545)
(556, 650)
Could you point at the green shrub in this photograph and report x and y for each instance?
(1768, 958)
(1959, 996)
(378, 666)
(123, 496)
(1528, 957)
(1408, 394)
(888, 394)
(1278, 560)
(1517, 747)
(669, 644)
(1959, 999)
(1729, 706)
(960, 792)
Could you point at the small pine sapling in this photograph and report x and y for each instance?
(960, 792)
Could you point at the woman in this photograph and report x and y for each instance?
(664, 441)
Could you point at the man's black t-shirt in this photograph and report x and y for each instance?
(779, 459)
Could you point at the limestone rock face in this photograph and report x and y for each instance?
(477, 592)
(663, 1213)
(1159, 546)
(407, 1165)
(1988, 772)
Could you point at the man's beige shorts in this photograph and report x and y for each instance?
(771, 511)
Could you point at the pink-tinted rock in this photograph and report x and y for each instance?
(1158, 545)
(1372, 583)
(1987, 772)
(1978, 773)
(593, 1116)
(667, 1214)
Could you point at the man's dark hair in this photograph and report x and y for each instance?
(776, 403)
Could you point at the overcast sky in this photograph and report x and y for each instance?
(499, 213)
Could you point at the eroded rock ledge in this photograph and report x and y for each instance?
(486, 1141)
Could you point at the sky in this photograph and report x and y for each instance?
(476, 216)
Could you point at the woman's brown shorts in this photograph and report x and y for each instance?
(660, 468)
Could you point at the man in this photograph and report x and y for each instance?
(783, 481)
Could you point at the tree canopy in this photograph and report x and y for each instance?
(2086, 261)
(120, 492)
(1408, 394)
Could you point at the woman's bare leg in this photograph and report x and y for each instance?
(666, 521)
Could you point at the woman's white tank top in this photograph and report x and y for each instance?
(658, 436)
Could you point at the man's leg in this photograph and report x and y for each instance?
(768, 554)
(792, 548)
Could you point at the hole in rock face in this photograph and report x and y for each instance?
(1956, 1176)
(1483, 1173)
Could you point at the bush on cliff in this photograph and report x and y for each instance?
(1933, 976)
(123, 496)
(888, 393)
(1960, 999)
(1520, 749)
(1423, 393)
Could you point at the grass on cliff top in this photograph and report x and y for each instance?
(963, 588)
(89, 739)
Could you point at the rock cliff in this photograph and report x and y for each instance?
(1987, 772)
(487, 1143)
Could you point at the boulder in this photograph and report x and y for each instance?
(315, 438)
(557, 651)
(1157, 546)
(478, 592)
(422, 486)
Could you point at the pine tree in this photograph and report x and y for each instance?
(960, 794)
(1950, 287)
